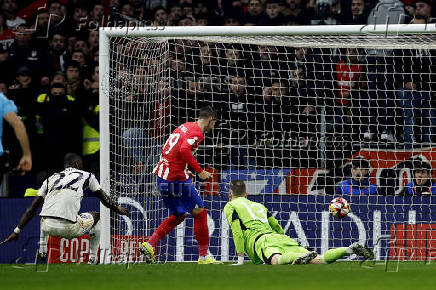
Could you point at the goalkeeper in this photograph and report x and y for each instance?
(258, 234)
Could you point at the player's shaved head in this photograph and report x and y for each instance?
(207, 112)
(73, 160)
(238, 188)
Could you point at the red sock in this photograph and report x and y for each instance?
(165, 227)
(201, 233)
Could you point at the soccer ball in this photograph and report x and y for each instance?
(339, 208)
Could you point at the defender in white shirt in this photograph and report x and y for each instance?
(61, 195)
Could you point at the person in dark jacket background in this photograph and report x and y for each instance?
(422, 183)
(61, 126)
(358, 183)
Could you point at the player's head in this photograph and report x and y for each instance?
(422, 172)
(237, 189)
(207, 117)
(360, 168)
(73, 160)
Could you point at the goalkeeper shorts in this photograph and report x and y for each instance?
(270, 244)
(179, 197)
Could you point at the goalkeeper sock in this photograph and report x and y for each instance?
(288, 258)
(201, 233)
(165, 227)
(333, 254)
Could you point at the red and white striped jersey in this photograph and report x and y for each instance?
(177, 153)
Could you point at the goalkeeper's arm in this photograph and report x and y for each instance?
(235, 225)
(274, 224)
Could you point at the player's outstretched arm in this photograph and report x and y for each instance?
(27, 216)
(109, 203)
(235, 225)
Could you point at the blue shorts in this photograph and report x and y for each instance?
(179, 197)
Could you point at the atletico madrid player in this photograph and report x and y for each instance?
(178, 192)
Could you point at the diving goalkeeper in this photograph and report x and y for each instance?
(258, 234)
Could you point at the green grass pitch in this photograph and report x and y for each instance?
(340, 275)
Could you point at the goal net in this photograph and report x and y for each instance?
(306, 114)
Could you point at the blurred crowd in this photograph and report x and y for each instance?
(49, 68)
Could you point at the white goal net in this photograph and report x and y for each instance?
(303, 118)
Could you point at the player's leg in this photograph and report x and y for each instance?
(333, 255)
(195, 206)
(87, 222)
(276, 249)
(171, 197)
(41, 255)
(94, 236)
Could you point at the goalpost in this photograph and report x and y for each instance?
(296, 105)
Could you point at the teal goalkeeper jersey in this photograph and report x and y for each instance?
(248, 220)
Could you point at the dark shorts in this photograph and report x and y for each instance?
(179, 197)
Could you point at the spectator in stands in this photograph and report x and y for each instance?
(23, 95)
(302, 108)
(358, 14)
(254, 13)
(186, 21)
(187, 9)
(160, 16)
(206, 67)
(422, 12)
(175, 14)
(267, 65)
(272, 123)
(233, 61)
(57, 13)
(5, 67)
(350, 79)
(387, 12)
(414, 97)
(272, 15)
(202, 19)
(71, 42)
(80, 58)
(422, 183)
(77, 21)
(57, 51)
(41, 25)
(10, 10)
(61, 126)
(91, 136)
(97, 13)
(24, 52)
(238, 113)
(58, 77)
(128, 9)
(72, 72)
(230, 21)
(359, 183)
(6, 35)
(82, 45)
(294, 12)
(381, 74)
(92, 41)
